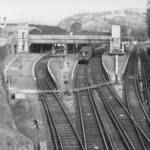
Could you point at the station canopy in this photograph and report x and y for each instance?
(47, 30)
(56, 30)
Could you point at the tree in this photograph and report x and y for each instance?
(148, 18)
(75, 27)
(124, 30)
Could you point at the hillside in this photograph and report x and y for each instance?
(132, 21)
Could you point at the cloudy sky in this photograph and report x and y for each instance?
(52, 11)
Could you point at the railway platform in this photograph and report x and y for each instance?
(109, 65)
(61, 68)
(27, 108)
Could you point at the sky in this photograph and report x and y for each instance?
(53, 11)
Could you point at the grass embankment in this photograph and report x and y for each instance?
(10, 138)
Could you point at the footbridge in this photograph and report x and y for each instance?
(55, 34)
(49, 37)
(43, 38)
(69, 39)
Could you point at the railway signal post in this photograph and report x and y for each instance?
(115, 48)
(116, 68)
(115, 40)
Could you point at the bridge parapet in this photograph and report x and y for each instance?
(68, 38)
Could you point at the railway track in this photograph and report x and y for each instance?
(118, 110)
(133, 97)
(63, 132)
(145, 79)
(117, 137)
(94, 134)
(104, 121)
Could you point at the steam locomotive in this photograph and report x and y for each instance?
(85, 54)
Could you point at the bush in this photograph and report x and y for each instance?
(148, 51)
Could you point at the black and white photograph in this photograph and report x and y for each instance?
(75, 75)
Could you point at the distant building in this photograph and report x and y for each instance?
(17, 34)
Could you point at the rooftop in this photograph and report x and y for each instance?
(47, 30)
(55, 30)
(36, 29)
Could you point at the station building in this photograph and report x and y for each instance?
(30, 38)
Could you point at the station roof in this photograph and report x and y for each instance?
(55, 30)
(47, 30)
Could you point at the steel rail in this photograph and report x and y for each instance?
(63, 110)
(117, 123)
(81, 114)
(131, 76)
(101, 128)
(109, 113)
(119, 101)
(59, 101)
(130, 63)
(50, 120)
(145, 77)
